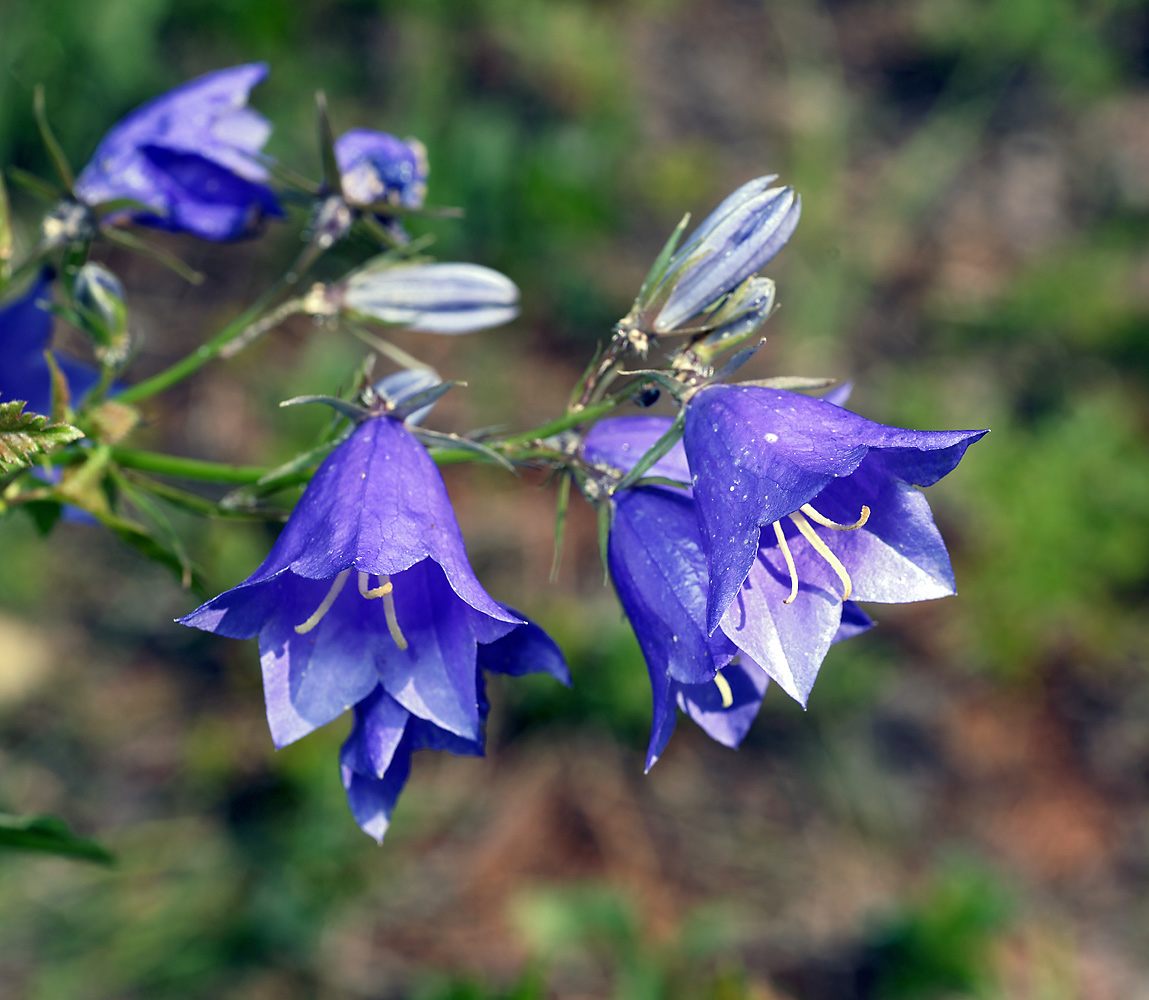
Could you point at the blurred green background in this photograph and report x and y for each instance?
(963, 811)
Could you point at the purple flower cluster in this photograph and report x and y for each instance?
(792, 509)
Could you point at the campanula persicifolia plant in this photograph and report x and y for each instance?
(740, 533)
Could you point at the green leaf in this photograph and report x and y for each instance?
(657, 450)
(55, 150)
(24, 434)
(349, 410)
(44, 513)
(38, 186)
(437, 439)
(49, 835)
(129, 241)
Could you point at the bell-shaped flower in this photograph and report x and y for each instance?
(835, 493)
(436, 298)
(192, 156)
(740, 236)
(658, 563)
(368, 584)
(377, 167)
(25, 334)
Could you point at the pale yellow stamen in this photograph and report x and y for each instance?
(325, 604)
(389, 612)
(788, 556)
(381, 591)
(821, 519)
(723, 686)
(823, 550)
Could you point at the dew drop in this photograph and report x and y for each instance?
(771, 437)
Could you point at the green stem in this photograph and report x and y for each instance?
(516, 447)
(187, 468)
(234, 330)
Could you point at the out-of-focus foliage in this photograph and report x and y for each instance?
(971, 253)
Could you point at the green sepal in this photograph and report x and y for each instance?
(605, 510)
(657, 270)
(562, 502)
(106, 208)
(332, 181)
(129, 241)
(655, 452)
(347, 408)
(737, 360)
(51, 144)
(293, 179)
(49, 835)
(25, 434)
(424, 398)
(662, 481)
(437, 439)
(37, 185)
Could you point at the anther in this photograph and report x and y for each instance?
(823, 550)
(389, 613)
(788, 556)
(723, 686)
(325, 604)
(821, 519)
(382, 590)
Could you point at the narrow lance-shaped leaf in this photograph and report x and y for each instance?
(51, 143)
(49, 835)
(25, 434)
(331, 181)
(605, 510)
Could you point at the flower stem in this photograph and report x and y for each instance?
(237, 330)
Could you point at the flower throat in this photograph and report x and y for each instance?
(384, 591)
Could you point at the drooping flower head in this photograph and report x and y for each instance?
(807, 469)
(25, 334)
(658, 560)
(369, 588)
(190, 155)
(378, 167)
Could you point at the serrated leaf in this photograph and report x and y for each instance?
(49, 835)
(25, 434)
(656, 451)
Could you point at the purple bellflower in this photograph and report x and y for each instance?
(377, 167)
(836, 493)
(368, 589)
(25, 332)
(192, 156)
(657, 560)
(740, 236)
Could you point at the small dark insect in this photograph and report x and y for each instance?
(648, 396)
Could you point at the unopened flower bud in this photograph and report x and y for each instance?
(377, 167)
(100, 298)
(437, 298)
(735, 240)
